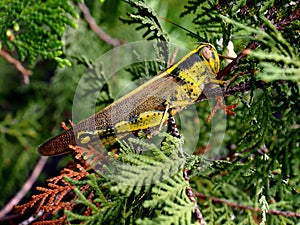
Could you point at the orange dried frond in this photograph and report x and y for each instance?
(24, 207)
(59, 221)
(76, 175)
(56, 196)
(62, 206)
(90, 155)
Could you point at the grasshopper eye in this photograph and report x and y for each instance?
(210, 57)
(206, 53)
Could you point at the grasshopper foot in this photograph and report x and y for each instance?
(220, 105)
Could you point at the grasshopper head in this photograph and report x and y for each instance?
(210, 56)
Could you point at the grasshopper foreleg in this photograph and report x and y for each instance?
(224, 82)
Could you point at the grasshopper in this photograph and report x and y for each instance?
(147, 107)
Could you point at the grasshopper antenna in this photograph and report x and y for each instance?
(183, 28)
(195, 35)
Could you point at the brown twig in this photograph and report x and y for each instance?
(101, 34)
(26, 187)
(240, 206)
(25, 73)
(210, 93)
(191, 196)
(235, 63)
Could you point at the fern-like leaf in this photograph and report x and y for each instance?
(35, 28)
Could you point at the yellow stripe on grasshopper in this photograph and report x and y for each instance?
(142, 122)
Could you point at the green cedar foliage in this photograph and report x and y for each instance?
(143, 188)
(35, 28)
(258, 163)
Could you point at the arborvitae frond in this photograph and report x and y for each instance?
(146, 18)
(263, 126)
(35, 28)
(150, 182)
(207, 14)
(146, 69)
(170, 202)
(275, 53)
(140, 171)
(98, 204)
